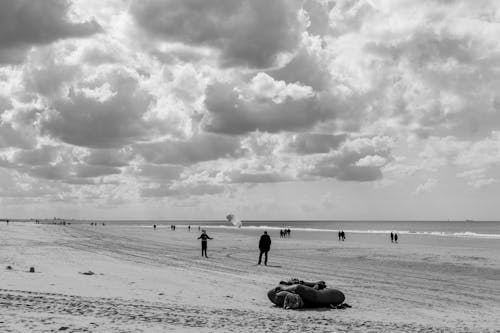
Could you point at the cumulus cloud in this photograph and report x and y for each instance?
(249, 33)
(183, 190)
(315, 143)
(351, 161)
(40, 156)
(113, 122)
(24, 23)
(184, 98)
(237, 176)
(426, 187)
(199, 148)
(109, 157)
(231, 113)
(160, 173)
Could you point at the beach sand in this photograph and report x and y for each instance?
(156, 281)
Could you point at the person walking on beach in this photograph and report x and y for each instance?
(204, 239)
(264, 247)
(392, 237)
(395, 238)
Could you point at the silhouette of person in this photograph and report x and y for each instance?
(343, 235)
(189, 228)
(154, 226)
(392, 237)
(264, 247)
(340, 235)
(204, 239)
(395, 237)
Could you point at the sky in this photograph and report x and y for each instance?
(283, 109)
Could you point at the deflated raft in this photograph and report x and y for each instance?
(305, 295)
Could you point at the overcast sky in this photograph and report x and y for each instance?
(286, 109)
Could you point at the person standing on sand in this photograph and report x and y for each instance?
(204, 239)
(395, 238)
(264, 247)
(392, 237)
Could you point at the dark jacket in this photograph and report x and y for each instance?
(265, 243)
(204, 237)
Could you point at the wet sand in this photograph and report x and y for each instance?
(155, 281)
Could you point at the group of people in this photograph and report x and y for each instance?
(285, 233)
(394, 237)
(341, 235)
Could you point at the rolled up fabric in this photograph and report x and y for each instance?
(311, 297)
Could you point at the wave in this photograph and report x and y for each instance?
(464, 234)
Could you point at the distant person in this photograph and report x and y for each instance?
(198, 228)
(392, 237)
(288, 231)
(264, 247)
(343, 235)
(154, 226)
(204, 239)
(189, 228)
(395, 238)
(340, 235)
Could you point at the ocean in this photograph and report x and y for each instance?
(456, 229)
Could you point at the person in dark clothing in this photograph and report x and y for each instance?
(395, 238)
(392, 237)
(204, 239)
(264, 247)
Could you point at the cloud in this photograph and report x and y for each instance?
(90, 171)
(160, 173)
(108, 157)
(315, 143)
(40, 156)
(426, 187)
(113, 122)
(237, 176)
(354, 160)
(263, 86)
(246, 33)
(24, 23)
(199, 148)
(182, 191)
(231, 113)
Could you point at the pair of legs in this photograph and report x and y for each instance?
(204, 249)
(265, 257)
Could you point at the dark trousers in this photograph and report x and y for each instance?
(263, 252)
(204, 249)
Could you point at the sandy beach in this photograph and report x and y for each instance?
(155, 281)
